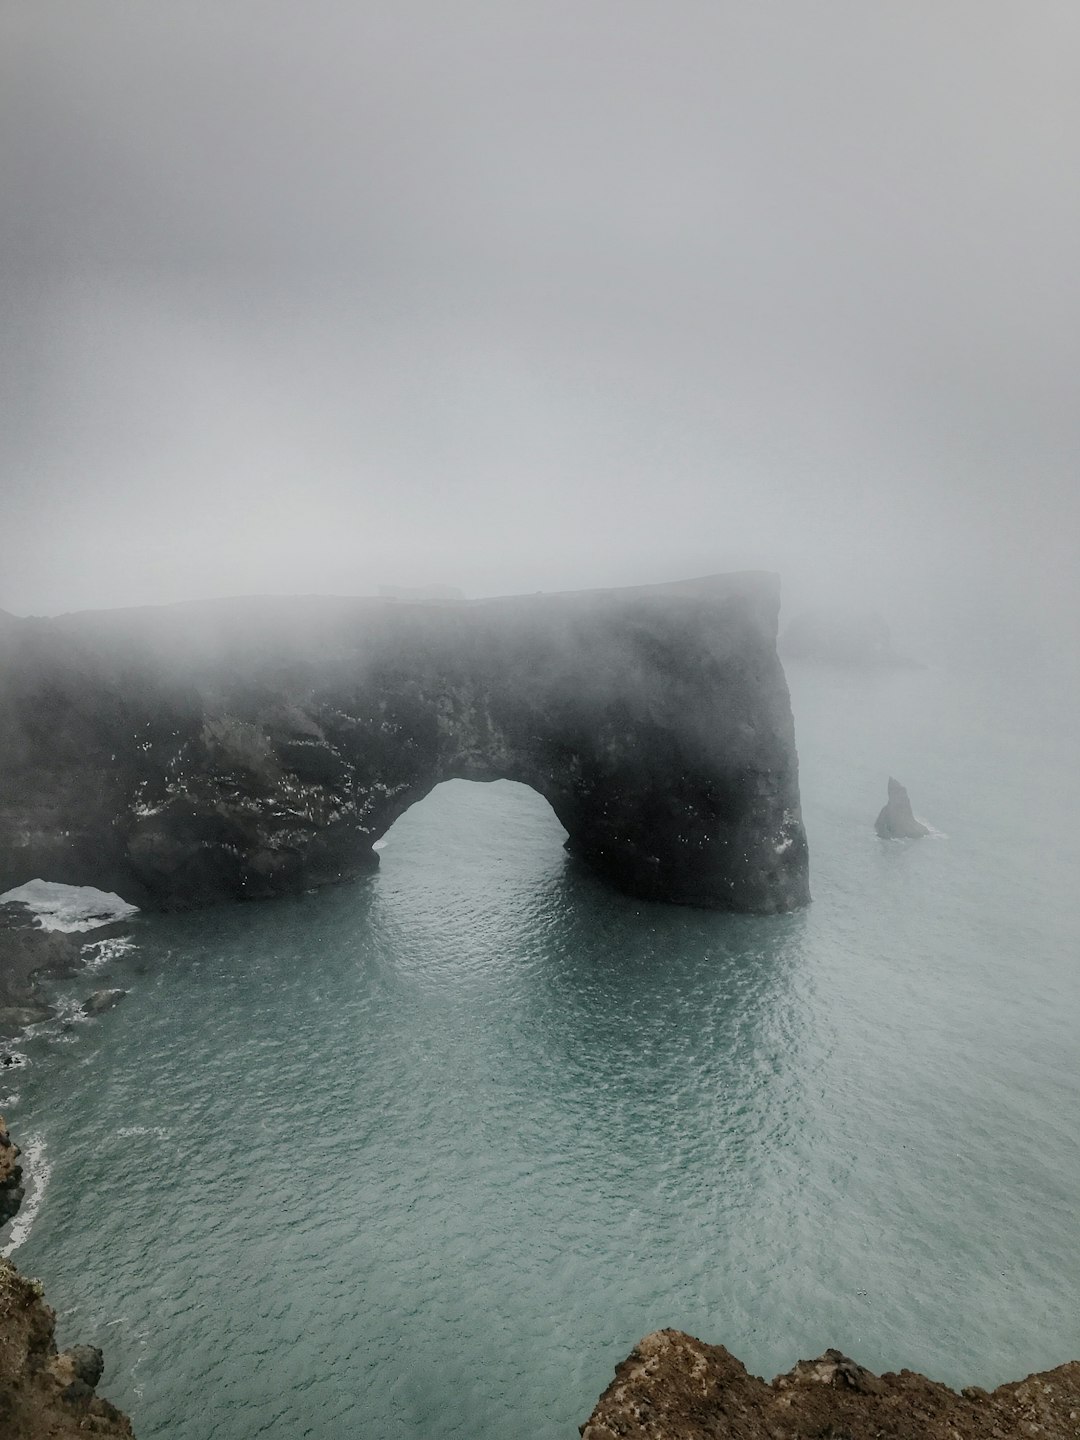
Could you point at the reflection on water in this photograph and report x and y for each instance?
(424, 1155)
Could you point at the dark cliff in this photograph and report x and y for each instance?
(239, 749)
(673, 1387)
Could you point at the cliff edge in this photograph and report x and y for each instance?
(45, 1394)
(673, 1387)
(187, 754)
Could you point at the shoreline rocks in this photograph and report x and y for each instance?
(11, 1186)
(45, 1394)
(28, 952)
(674, 1387)
(31, 951)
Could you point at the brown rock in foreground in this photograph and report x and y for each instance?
(11, 1187)
(43, 1392)
(673, 1387)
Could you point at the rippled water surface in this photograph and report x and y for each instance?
(424, 1155)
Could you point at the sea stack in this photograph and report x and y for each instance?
(897, 819)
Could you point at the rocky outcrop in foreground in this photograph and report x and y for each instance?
(44, 1394)
(239, 749)
(11, 1186)
(896, 820)
(673, 1387)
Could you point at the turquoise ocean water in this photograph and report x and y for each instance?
(424, 1155)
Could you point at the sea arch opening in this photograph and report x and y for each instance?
(495, 829)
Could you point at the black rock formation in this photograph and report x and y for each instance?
(27, 952)
(188, 754)
(897, 819)
(102, 1000)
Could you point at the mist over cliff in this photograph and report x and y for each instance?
(317, 298)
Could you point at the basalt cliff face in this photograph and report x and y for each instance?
(673, 1387)
(43, 1392)
(239, 749)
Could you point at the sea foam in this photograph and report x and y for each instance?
(36, 1172)
(69, 907)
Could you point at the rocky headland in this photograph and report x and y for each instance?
(673, 1387)
(188, 754)
(45, 1394)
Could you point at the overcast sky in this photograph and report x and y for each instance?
(309, 296)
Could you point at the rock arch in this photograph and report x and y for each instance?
(247, 748)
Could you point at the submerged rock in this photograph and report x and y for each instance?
(897, 819)
(102, 1000)
(673, 1387)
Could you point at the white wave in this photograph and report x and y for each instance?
(14, 1060)
(7, 1101)
(96, 954)
(69, 1011)
(127, 1132)
(69, 907)
(379, 845)
(36, 1172)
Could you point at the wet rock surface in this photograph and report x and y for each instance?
(897, 821)
(102, 1000)
(27, 952)
(43, 1392)
(11, 1186)
(31, 953)
(188, 754)
(674, 1387)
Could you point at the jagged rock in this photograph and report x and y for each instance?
(897, 819)
(187, 754)
(44, 1395)
(102, 1000)
(11, 1186)
(673, 1387)
(27, 951)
